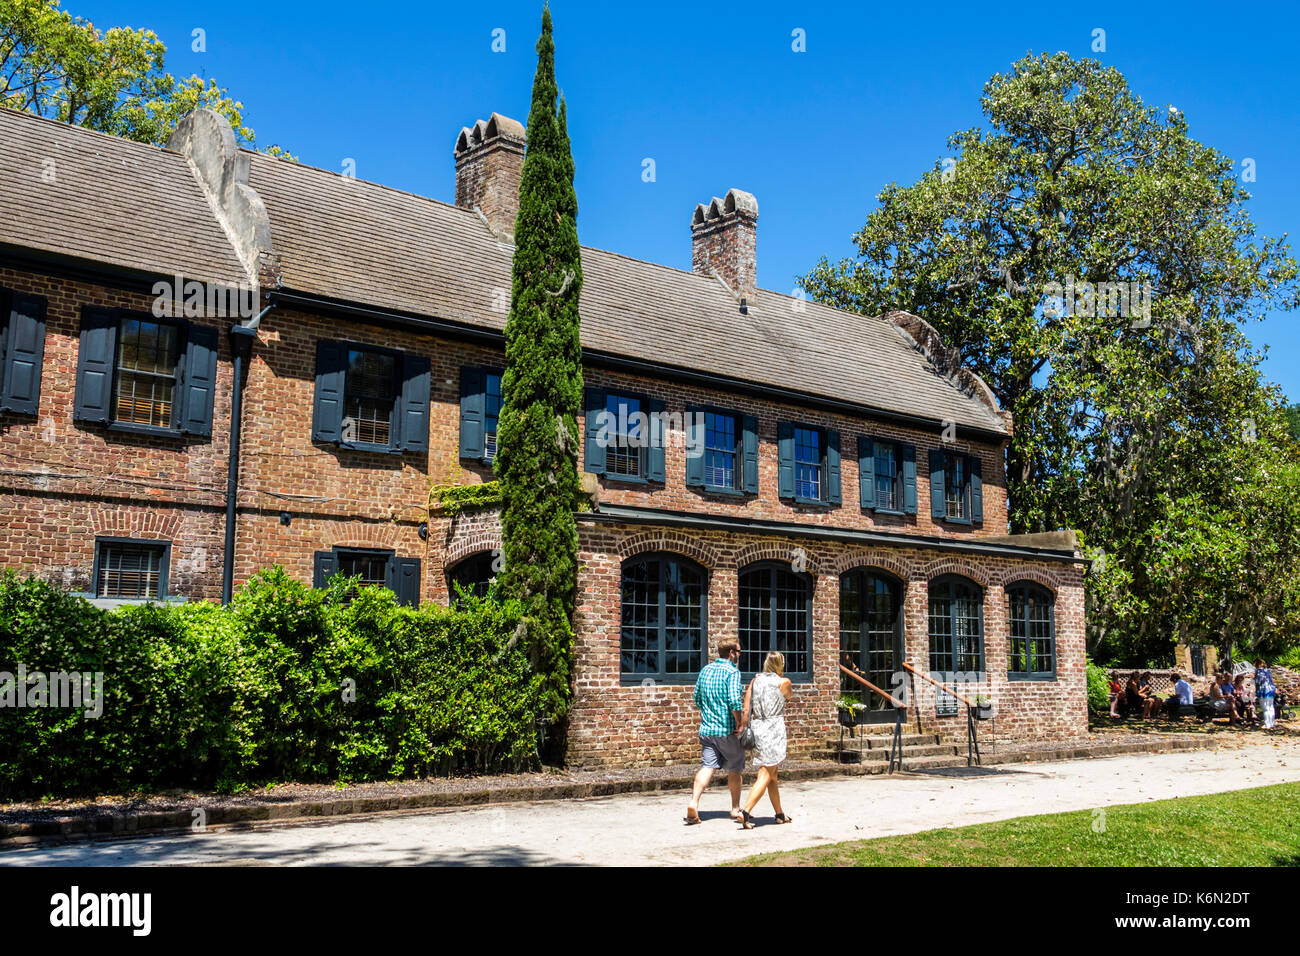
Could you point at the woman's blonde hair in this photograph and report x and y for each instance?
(775, 663)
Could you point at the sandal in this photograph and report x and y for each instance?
(692, 820)
(782, 818)
(746, 820)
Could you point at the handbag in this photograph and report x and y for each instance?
(748, 739)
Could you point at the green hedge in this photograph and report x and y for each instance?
(1098, 688)
(288, 683)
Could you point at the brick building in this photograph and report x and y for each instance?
(827, 484)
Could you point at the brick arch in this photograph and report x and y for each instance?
(673, 542)
(356, 534)
(870, 559)
(769, 551)
(467, 545)
(131, 523)
(1038, 575)
(941, 566)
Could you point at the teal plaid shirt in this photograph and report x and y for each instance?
(717, 694)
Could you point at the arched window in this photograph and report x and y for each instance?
(1032, 652)
(775, 615)
(871, 634)
(474, 575)
(664, 619)
(956, 626)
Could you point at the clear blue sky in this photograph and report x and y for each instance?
(715, 96)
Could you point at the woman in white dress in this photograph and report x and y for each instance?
(765, 714)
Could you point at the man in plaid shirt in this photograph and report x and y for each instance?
(717, 695)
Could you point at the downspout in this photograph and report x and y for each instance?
(241, 348)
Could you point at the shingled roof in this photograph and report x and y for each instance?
(140, 207)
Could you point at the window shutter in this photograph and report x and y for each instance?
(976, 491)
(96, 352)
(415, 402)
(594, 457)
(24, 353)
(408, 581)
(696, 432)
(937, 510)
(833, 467)
(656, 468)
(785, 455)
(750, 444)
(909, 479)
(323, 566)
(199, 380)
(867, 471)
(473, 411)
(327, 411)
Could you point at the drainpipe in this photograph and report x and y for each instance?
(241, 348)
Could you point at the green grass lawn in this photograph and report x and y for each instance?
(1257, 827)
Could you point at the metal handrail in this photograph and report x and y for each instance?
(866, 683)
(941, 686)
(896, 744)
(973, 756)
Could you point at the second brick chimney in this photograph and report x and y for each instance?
(724, 241)
(489, 159)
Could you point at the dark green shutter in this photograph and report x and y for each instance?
(867, 471)
(656, 466)
(750, 446)
(327, 410)
(594, 457)
(199, 382)
(96, 352)
(937, 510)
(415, 402)
(976, 491)
(24, 353)
(696, 432)
(833, 467)
(323, 567)
(473, 411)
(408, 581)
(909, 479)
(785, 459)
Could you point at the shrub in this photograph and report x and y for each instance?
(1098, 688)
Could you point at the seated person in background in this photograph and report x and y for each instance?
(1245, 703)
(1182, 695)
(1222, 702)
(1132, 697)
(1150, 702)
(1116, 692)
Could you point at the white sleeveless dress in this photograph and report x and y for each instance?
(767, 717)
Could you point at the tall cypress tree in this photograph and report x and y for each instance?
(541, 391)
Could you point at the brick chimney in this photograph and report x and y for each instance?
(489, 159)
(724, 241)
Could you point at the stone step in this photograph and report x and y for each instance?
(872, 764)
(851, 755)
(882, 741)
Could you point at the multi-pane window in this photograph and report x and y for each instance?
(870, 633)
(491, 413)
(131, 570)
(956, 626)
(775, 615)
(147, 356)
(473, 576)
(888, 477)
(371, 566)
(662, 634)
(624, 455)
(370, 397)
(956, 474)
(1031, 655)
(808, 462)
(720, 450)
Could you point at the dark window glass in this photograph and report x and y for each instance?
(1032, 650)
(146, 372)
(720, 450)
(887, 477)
(870, 624)
(662, 632)
(474, 575)
(775, 615)
(130, 571)
(370, 565)
(623, 457)
(371, 393)
(491, 413)
(956, 626)
(956, 476)
(808, 463)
